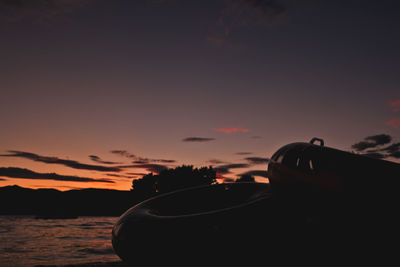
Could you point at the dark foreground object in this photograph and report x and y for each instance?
(324, 206)
(226, 223)
(199, 222)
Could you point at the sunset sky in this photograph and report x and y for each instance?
(95, 93)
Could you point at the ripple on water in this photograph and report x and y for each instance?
(25, 241)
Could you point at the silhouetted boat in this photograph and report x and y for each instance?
(191, 222)
(306, 168)
(320, 197)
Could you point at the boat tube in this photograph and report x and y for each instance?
(317, 197)
(184, 221)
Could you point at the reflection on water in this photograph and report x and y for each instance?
(26, 241)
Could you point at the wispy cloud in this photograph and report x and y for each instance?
(121, 176)
(232, 130)
(372, 142)
(395, 105)
(163, 160)
(150, 167)
(393, 148)
(257, 160)
(215, 161)
(137, 159)
(99, 160)
(21, 173)
(123, 153)
(395, 123)
(55, 160)
(373, 146)
(225, 169)
(155, 168)
(243, 153)
(198, 139)
(136, 173)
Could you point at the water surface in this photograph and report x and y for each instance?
(26, 241)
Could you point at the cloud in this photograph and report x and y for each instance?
(243, 153)
(360, 146)
(123, 153)
(393, 148)
(54, 160)
(380, 139)
(215, 161)
(163, 160)
(138, 159)
(378, 152)
(257, 160)
(21, 173)
(1, 179)
(99, 160)
(395, 123)
(232, 130)
(154, 168)
(225, 169)
(372, 142)
(136, 173)
(38, 10)
(256, 173)
(120, 176)
(150, 167)
(395, 105)
(197, 139)
(147, 160)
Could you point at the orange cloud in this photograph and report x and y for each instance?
(233, 130)
(395, 123)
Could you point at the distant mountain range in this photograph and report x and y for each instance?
(52, 203)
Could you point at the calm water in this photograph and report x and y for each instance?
(26, 241)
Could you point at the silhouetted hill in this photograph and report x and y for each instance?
(49, 203)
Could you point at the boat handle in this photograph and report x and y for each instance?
(315, 139)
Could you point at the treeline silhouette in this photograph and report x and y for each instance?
(52, 203)
(172, 179)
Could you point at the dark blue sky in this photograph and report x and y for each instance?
(84, 77)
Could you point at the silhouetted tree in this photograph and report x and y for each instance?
(245, 178)
(173, 179)
(144, 187)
